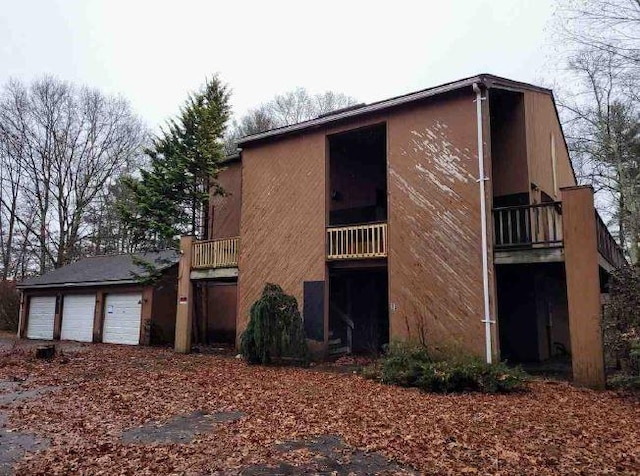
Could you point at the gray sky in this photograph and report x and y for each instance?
(154, 52)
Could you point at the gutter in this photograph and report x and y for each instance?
(26, 287)
(482, 178)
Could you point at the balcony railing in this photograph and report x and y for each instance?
(528, 226)
(607, 245)
(357, 242)
(215, 253)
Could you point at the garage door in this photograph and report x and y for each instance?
(41, 316)
(122, 319)
(77, 317)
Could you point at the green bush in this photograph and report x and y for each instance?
(275, 333)
(410, 366)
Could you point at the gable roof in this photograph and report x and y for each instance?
(487, 80)
(102, 270)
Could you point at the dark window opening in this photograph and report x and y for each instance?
(358, 176)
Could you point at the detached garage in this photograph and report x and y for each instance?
(121, 299)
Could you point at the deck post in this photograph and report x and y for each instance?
(583, 286)
(184, 307)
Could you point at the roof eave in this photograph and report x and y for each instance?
(488, 80)
(84, 284)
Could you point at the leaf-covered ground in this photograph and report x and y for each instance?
(101, 391)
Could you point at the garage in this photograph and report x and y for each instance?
(42, 311)
(122, 317)
(117, 299)
(78, 311)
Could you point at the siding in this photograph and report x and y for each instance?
(435, 267)
(225, 210)
(283, 218)
(541, 123)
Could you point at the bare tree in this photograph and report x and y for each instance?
(285, 109)
(66, 142)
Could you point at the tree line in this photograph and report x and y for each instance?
(81, 175)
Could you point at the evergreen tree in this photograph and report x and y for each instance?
(172, 197)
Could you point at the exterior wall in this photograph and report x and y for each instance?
(541, 123)
(583, 286)
(283, 218)
(225, 210)
(435, 259)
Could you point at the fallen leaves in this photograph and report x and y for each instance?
(105, 390)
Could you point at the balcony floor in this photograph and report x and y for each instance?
(214, 273)
(529, 255)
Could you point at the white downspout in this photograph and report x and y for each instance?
(483, 217)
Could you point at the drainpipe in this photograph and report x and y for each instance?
(483, 217)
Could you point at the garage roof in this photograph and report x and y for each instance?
(103, 270)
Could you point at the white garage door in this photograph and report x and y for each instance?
(41, 316)
(77, 317)
(122, 319)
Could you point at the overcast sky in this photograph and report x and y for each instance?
(155, 52)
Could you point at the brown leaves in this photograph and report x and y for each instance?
(554, 429)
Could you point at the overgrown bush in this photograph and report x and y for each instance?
(9, 306)
(275, 332)
(621, 323)
(410, 366)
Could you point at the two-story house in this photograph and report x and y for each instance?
(449, 216)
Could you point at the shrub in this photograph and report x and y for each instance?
(410, 366)
(9, 306)
(275, 332)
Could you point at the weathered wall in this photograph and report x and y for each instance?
(225, 209)
(283, 218)
(435, 259)
(541, 124)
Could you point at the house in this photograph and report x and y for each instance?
(449, 216)
(114, 299)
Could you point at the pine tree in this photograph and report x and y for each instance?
(171, 198)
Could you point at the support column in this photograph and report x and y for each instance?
(22, 322)
(184, 312)
(583, 286)
(98, 317)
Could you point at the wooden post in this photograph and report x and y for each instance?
(583, 286)
(98, 317)
(57, 317)
(24, 307)
(146, 315)
(184, 312)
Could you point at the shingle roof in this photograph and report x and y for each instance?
(101, 270)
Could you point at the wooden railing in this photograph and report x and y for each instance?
(528, 225)
(215, 253)
(607, 245)
(357, 242)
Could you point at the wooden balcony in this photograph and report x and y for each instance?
(608, 248)
(211, 254)
(357, 242)
(533, 234)
(528, 226)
